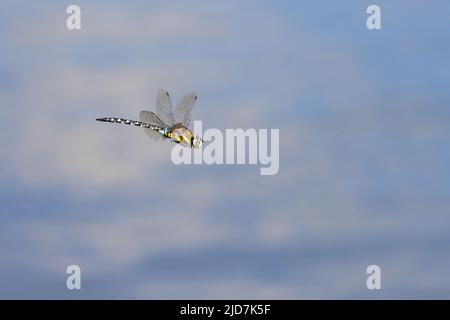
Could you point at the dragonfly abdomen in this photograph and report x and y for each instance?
(130, 122)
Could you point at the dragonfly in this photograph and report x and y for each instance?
(165, 124)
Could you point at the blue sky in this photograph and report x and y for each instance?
(363, 118)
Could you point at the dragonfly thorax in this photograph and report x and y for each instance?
(181, 135)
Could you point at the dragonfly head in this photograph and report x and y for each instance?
(196, 142)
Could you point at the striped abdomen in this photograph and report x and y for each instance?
(130, 122)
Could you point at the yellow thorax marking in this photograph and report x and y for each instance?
(186, 139)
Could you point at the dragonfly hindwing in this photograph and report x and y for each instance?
(152, 119)
(164, 108)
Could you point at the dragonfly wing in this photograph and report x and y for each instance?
(152, 119)
(164, 107)
(184, 108)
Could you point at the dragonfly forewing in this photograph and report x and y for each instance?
(184, 108)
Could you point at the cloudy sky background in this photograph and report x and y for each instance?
(364, 150)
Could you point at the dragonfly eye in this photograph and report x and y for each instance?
(196, 142)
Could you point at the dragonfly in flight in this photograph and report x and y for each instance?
(164, 124)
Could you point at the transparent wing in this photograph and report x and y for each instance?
(164, 107)
(153, 119)
(184, 108)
